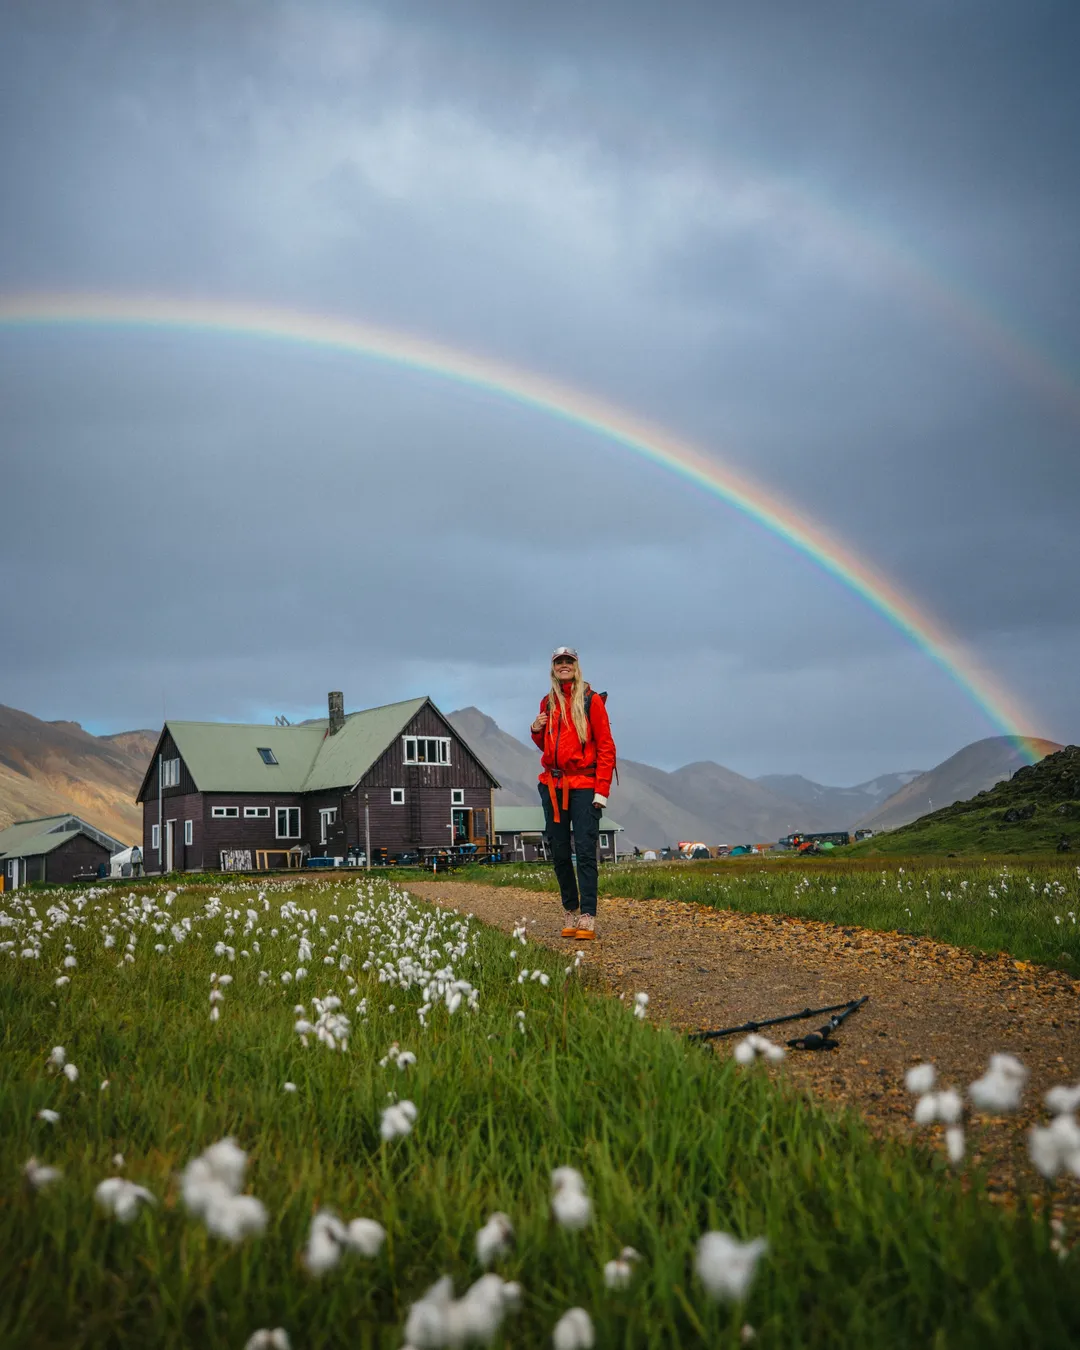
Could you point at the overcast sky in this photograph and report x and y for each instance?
(833, 244)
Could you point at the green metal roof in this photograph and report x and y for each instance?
(29, 838)
(530, 820)
(224, 756)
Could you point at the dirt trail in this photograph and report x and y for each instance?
(711, 968)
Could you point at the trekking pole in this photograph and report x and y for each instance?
(850, 1006)
(822, 1038)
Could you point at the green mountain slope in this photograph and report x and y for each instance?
(1034, 811)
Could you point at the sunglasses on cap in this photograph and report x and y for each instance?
(564, 660)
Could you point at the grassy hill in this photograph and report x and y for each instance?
(1031, 812)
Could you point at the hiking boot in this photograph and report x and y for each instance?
(586, 928)
(571, 919)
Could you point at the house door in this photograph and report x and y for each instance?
(170, 842)
(461, 820)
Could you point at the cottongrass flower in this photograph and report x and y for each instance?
(210, 1185)
(569, 1203)
(726, 1266)
(438, 1319)
(38, 1175)
(495, 1239)
(329, 1237)
(57, 1057)
(289, 1087)
(1001, 1086)
(118, 1160)
(265, 1339)
(574, 1331)
(122, 1198)
(104, 1085)
(955, 1144)
(61, 980)
(1061, 1099)
(50, 1117)
(920, 1079)
(641, 1006)
(397, 1120)
(946, 1106)
(70, 1072)
(754, 1045)
(1055, 1147)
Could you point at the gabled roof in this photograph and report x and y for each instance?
(530, 820)
(30, 838)
(224, 756)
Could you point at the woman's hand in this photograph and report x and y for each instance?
(540, 723)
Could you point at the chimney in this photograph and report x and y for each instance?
(337, 711)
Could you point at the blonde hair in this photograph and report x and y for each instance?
(577, 702)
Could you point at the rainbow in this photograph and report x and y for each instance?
(531, 390)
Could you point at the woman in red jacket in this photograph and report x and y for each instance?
(578, 760)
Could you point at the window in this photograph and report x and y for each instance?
(268, 756)
(457, 796)
(224, 812)
(427, 749)
(256, 813)
(287, 822)
(327, 817)
(189, 831)
(397, 796)
(155, 837)
(603, 841)
(170, 773)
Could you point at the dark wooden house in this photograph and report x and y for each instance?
(519, 834)
(237, 797)
(54, 849)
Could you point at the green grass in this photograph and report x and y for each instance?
(1031, 909)
(870, 1243)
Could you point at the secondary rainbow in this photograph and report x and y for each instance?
(559, 400)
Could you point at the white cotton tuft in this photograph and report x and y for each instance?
(397, 1121)
(574, 1331)
(427, 1325)
(494, 1239)
(365, 1236)
(38, 1175)
(946, 1106)
(71, 1073)
(234, 1217)
(617, 1274)
(49, 1117)
(726, 1266)
(1001, 1086)
(754, 1045)
(1055, 1147)
(267, 1339)
(289, 1087)
(122, 1198)
(955, 1144)
(57, 1057)
(1061, 1099)
(326, 1240)
(920, 1079)
(569, 1203)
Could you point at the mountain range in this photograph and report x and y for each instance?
(51, 767)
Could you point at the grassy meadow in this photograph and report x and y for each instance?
(1030, 909)
(869, 1243)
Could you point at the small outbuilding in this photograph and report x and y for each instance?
(55, 849)
(519, 834)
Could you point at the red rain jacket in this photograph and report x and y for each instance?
(565, 761)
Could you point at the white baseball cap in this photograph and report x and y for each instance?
(563, 651)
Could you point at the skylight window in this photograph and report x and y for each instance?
(268, 756)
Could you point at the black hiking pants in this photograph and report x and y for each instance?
(584, 819)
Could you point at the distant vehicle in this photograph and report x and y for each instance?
(863, 834)
(805, 842)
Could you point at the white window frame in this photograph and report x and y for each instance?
(189, 833)
(155, 837)
(397, 796)
(604, 841)
(327, 817)
(411, 752)
(170, 772)
(457, 796)
(287, 812)
(256, 813)
(225, 812)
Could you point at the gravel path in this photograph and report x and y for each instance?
(704, 967)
